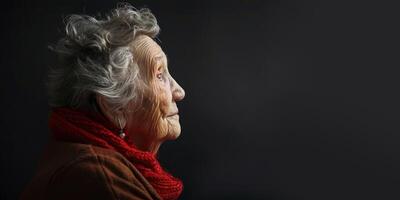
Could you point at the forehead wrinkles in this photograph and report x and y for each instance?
(146, 52)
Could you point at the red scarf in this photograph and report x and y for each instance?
(83, 127)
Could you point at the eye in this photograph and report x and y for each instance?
(160, 77)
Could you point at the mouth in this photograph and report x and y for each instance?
(173, 114)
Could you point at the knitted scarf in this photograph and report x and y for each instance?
(71, 125)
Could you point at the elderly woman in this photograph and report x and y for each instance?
(113, 104)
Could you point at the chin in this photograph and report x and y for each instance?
(171, 129)
(175, 132)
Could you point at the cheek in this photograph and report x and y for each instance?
(164, 96)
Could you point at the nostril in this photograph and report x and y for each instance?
(179, 94)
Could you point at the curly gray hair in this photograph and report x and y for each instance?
(95, 58)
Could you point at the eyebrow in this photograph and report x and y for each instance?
(163, 59)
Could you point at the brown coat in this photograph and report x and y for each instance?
(81, 171)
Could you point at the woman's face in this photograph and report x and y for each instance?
(157, 120)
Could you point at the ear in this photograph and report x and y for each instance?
(116, 117)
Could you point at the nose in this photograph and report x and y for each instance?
(177, 91)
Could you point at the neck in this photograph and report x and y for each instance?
(154, 148)
(145, 144)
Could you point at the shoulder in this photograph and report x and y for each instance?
(98, 173)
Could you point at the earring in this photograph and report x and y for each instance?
(121, 130)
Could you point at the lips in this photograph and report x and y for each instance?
(173, 114)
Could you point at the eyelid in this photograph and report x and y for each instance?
(160, 76)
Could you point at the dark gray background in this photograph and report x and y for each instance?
(285, 99)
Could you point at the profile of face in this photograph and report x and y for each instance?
(155, 119)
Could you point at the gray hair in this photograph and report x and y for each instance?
(95, 58)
